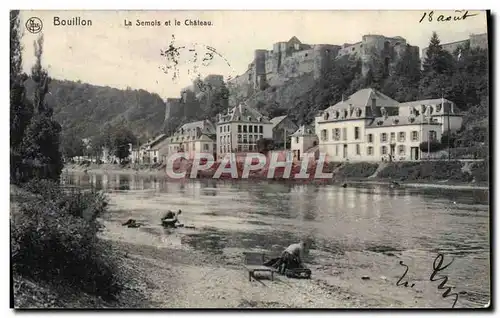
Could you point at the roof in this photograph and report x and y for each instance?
(276, 120)
(154, 141)
(363, 98)
(398, 121)
(294, 38)
(205, 126)
(304, 130)
(435, 101)
(244, 113)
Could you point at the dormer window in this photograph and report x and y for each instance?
(238, 118)
(345, 113)
(326, 116)
(380, 122)
(358, 112)
(260, 119)
(337, 114)
(249, 118)
(395, 121)
(411, 119)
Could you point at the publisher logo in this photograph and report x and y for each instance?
(34, 25)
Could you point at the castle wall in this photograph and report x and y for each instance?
(479, 40)
(353, 49)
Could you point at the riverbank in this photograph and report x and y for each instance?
(167, 269)
(443, 175)
(173, 271)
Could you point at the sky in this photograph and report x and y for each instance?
(108, 53)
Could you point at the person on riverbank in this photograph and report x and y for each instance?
(292, 257)
(171, 218)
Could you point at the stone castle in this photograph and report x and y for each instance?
(294, 58)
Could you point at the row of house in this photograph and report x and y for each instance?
(367, 126)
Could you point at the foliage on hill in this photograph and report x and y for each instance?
(83, 109)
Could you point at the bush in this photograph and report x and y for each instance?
(357, 170)
(434, 146)
(480, 171)
(425, 171)
(54, 238)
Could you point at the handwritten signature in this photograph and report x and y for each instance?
(459, 16)
(437, 266)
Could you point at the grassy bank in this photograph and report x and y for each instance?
(57, 259)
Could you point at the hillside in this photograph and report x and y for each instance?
(85, 108)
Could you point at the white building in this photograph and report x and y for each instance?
(240, 128)
(370, 126)
(304, 141)
(151, 152)
(192, 138)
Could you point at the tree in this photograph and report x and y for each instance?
(41, 141)
(436, 59)
(121, 139)
(72, 145)
(21, 109)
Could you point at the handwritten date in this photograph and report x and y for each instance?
(459, 16)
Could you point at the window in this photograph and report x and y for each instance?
(260, 129)
(221, 139)
(205, 147)
(369, 150)
(358, 149)
(228, 128)
(344, 133)
(324, 135)
(244, 128)
(220, 149)
(245, 141)
(393, 136)
(383, 150)
(336, 133)
(432, 135)
(239, 138)
(220, 129)
(239, 128)
(296, 140)
(250, 129)
(336, 150)
(414, 135)
(250, 138)
(356, 133)
(383, 137)
(402, 136)
(239, 148)
(254, 128)
(370, 138)
(401, 150)
(250, 147)
(255, 137)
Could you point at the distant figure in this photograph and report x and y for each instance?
(170, 218)
(291, 258)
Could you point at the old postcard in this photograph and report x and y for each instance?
(250, 159)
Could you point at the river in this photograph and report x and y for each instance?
(412, 225)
